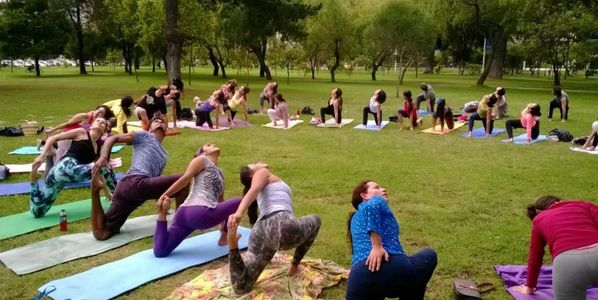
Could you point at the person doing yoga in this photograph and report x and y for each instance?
(380, 267)
(530, 120)
(75, 166)
(203, 208)
(409, 111)
(374, 107)
(277, 228)
(570, 228)
(141, 182)
(334, 108)
(484, 113)
(214, 103)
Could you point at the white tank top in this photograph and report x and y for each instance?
(274, 197)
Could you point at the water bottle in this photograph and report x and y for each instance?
(63, 221)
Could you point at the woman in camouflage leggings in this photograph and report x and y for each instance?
(277, 228)
(75, 166)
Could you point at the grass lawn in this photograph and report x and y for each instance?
(465, 198)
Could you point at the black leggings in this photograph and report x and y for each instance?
(556, 103)
(329, 110)
(366, 111)
(475, 116)
(203, 117)
(510, 124)
(421, 99)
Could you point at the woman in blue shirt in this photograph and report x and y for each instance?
(380, 268)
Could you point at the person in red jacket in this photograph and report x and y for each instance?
(570, 229)
(409, 111)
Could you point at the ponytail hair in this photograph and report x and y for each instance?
(541, 204)
(252, 211)
(125, 104)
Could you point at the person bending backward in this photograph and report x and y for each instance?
(427, 96)
(75, 166)
(150, 103)
(444, 114)
(501, 108)
(570, 228)
(408, 111)
(202, 113)
(561, 102)
(141, 182)
(122, 111)
(267, 95)
(172, 99)
(238, 100)
(335, 107)
(530, 120)
(592, 140)
(277, 228)
(204, 207)
(484, 113)
(280, 111)
(375, 108)
(380, 268)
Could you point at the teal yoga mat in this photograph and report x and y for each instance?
(480, 133)
(18, 224)
(115, 278)
(32, 150)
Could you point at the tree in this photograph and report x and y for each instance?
(257, 21)
(122, 26)
(331, 30)
(151, 23)
(79, 12)
(174, 41)
(32, 28)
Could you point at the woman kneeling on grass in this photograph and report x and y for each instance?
(380, 268)
(530, 120)
(75, 166)
(277, 228)
(570, 228)
(204, 207)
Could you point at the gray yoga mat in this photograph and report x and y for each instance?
(41, 255)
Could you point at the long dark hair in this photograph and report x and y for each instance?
(109, 114)
(245, 176)
(541, 204)
(125, 105)
(356, 199)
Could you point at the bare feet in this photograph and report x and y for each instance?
(232, 237)
(97, 184)
(223, 241)
(469, 134)
(163, 205)
(295, 269)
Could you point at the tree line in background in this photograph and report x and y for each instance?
(307, 34)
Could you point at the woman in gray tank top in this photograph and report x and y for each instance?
(277, 228)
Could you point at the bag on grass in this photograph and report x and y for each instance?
(186, 114)
(11, 131)
(4, 171)
(560, 135)
(465, 289)
(580, 140)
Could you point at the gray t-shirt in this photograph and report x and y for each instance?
(274, 197)
(149, 157)
(207, 186)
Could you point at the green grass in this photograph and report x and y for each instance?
(464, 198)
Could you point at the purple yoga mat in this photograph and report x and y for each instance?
(513, 275)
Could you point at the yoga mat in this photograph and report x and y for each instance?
(513, 275)
(32, 150)
(578, 149)
(371, 126)
(205, 127)
(422, 113)
(19, 188)
(480, 132)
(24, 222)
(280, 124)
(273, 283)
(41, 255)
(445, 131)
(114, 278)
(522, 139)
(237, 123)
(26, 168)
(331, 123)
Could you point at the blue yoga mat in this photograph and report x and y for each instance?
(422, 112)
(7, 189)
(522, 139)
(480, 133)
(32, 150)
(114, 278)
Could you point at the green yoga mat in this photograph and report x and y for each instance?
(18, 224)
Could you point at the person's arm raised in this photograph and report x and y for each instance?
(69, 135)
(76, 119)
(103, 161)
(195, 166)
(258, 182)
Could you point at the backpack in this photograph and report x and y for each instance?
(11, 131)
(186, 114)
(4, 171)
(307, 111)
(560, 135)
(580, 141)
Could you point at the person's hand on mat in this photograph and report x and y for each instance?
(524, 289)
(374, 260)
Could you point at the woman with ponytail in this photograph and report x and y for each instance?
(380, 268)
(122, 111)
(570, 228)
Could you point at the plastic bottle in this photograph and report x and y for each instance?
(63, 220)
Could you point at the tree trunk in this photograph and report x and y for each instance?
(485, 72)
(260, 53)
(337, 60)
(174, 42)
(79, 29)
(557, 78)
(37, 71)
(499, 51)
(213, 61)
(153, 64)
(374, 70)
(127, 57)
(429, 63)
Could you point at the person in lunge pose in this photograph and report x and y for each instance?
(277, 228)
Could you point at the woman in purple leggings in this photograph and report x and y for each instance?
(204, 207)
